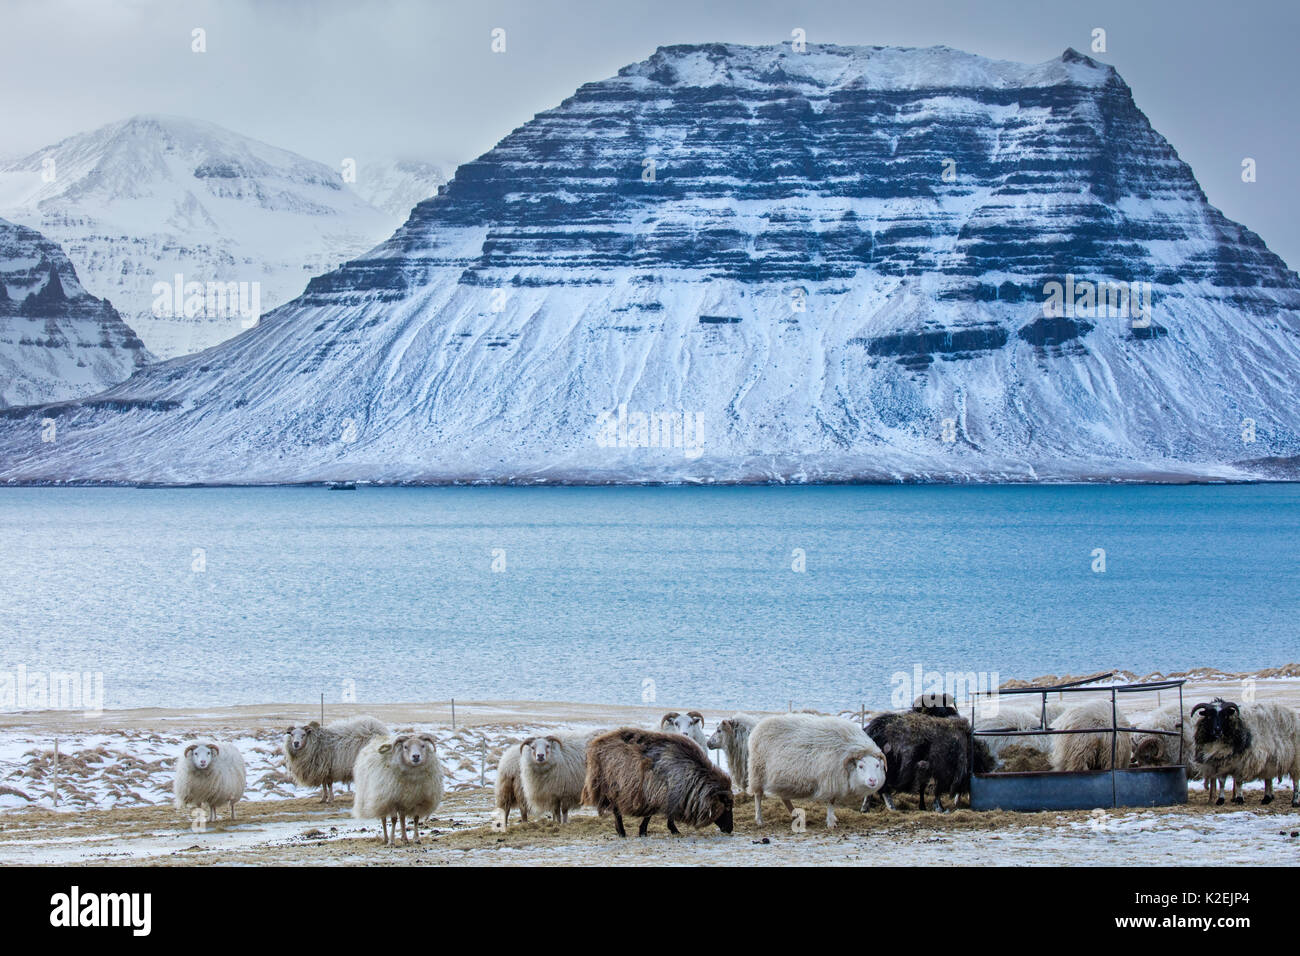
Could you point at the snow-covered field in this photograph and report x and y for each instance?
(114, 781)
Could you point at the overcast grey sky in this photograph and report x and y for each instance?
(401, 78)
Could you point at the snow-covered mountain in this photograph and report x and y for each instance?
(397, 186)
(56, 340)
(832, 264)
(137, 202)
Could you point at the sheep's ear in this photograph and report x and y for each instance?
(385, 748)
(313, 725)
(288, 732)
(429, 739)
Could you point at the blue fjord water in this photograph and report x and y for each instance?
(604, 589)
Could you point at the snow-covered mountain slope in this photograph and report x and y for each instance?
(137, 202)
(56, 340)
(832, 264)
(397, 186)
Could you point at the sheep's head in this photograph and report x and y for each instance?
(936, 705)
(541, 750)
(201, 756)
(1147, 753)
(725, 733)
(1219, 729)
(297, 738)
(689, 724)
(720, 804)
(412, 750)
(866, 771)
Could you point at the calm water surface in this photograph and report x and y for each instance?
(605, 588)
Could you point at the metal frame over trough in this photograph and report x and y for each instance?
(1088, 790)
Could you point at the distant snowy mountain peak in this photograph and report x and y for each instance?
(140, 201)
(396, 186)
(733, 263)
(56, 340)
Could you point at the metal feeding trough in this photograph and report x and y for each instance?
(1049, 790)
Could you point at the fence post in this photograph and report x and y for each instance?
(55, 793)
(322, 708)
(482, 762)
(1114, 743)
(453, 713)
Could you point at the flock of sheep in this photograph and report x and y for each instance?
(639, 773)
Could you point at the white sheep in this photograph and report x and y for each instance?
(1162, 750)
(826, 759)
(323, 756)
(209, 775)
(1012, 718)
(689, 724)
(509, 788)
(397, 778)
(552, 770)
(732, 737)
(1079, 752)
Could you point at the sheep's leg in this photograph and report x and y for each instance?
(645, 824)
(758, 809)
(1295, 790)
(523, 812)
(830, 817)
(232, 811)
(416, 824)
(383, 822)
(1237, 796)
(672, 827)
(564, 814)
(866, 802)
(618, 824)
(405, 838)
(889, 800)
(1268, 791)
(938, 803)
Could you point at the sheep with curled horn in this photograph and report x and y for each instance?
(642, 773)
(689, 724)
(1250, 741)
